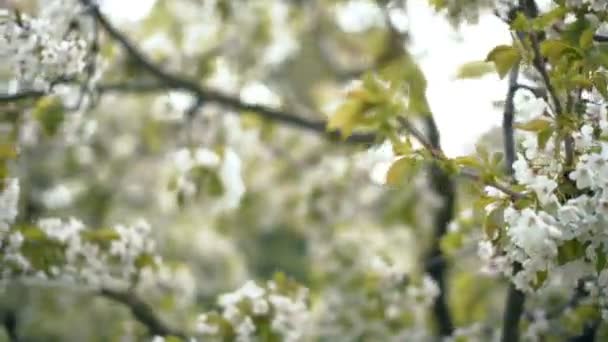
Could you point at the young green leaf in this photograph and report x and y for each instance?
(50, 114)
(504, 58)
(400, 170)
(475, 69)
(494, 222)
(534, 125)
(554, 49)
(346, 118)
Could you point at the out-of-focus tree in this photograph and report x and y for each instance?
(282, 175)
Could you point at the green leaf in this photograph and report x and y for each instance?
(569, 251)
(534, 125)
(586, 39)
(474, 69)
(49, 112)
(543, 137)
(579, 317)
(600, 83)
(544, 20)
(601, 261)
(504, 58)
(8, 151)
(405, 70)
(208, 180)
(400, 171)
(32, 233)
(581, 81)
(521, 22)
(467, 161)
(144, 260)
(101, 236)
(493, 222)
(497, 158)
(451, 242)
(598, 55)
(554, 49)
(346, 118)
(400, 148)
(541, 277)
(173, 339)
(438, 4)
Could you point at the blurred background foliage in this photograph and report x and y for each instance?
(310, 209)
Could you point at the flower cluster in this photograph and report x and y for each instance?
(562, 218)
(9, 200)
(367, 288)
(66, 250)
(278, 309)
(39, 51)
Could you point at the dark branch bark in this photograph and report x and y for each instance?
(10, 325)
(443, 185)
(589, 333)
(531, 10)
(514, 306)
(515, 301)
(30, 94)
(176, 82)
(590, 328)
(513, 311)
(143, 313)
(507, 121)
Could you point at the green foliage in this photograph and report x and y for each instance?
(377, 100)
(494, 223)
(50, 114)
(570, 251)
(504, 58)
(580, 317)
(302, 192)
(534, 125)
(401, 171)
(451, 242)
(474, 69)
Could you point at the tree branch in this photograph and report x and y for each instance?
(438, 154)
(539, 65)
(513, 310)
(515, 301)
(10, 325)
(507, 122)
(443, 185)
(176, 82)
(143, 313)
(24, 95)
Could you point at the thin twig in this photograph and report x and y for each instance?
(513, 312)
(443, 185)
(23, 95)
(208, 95)
(143, 313)
(507, 121)
(539, 65)
(439, 155)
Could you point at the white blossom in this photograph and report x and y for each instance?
(532, 234)
(9, 200)
(544, 187)
(57, 197)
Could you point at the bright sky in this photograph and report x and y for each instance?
(463, 108)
